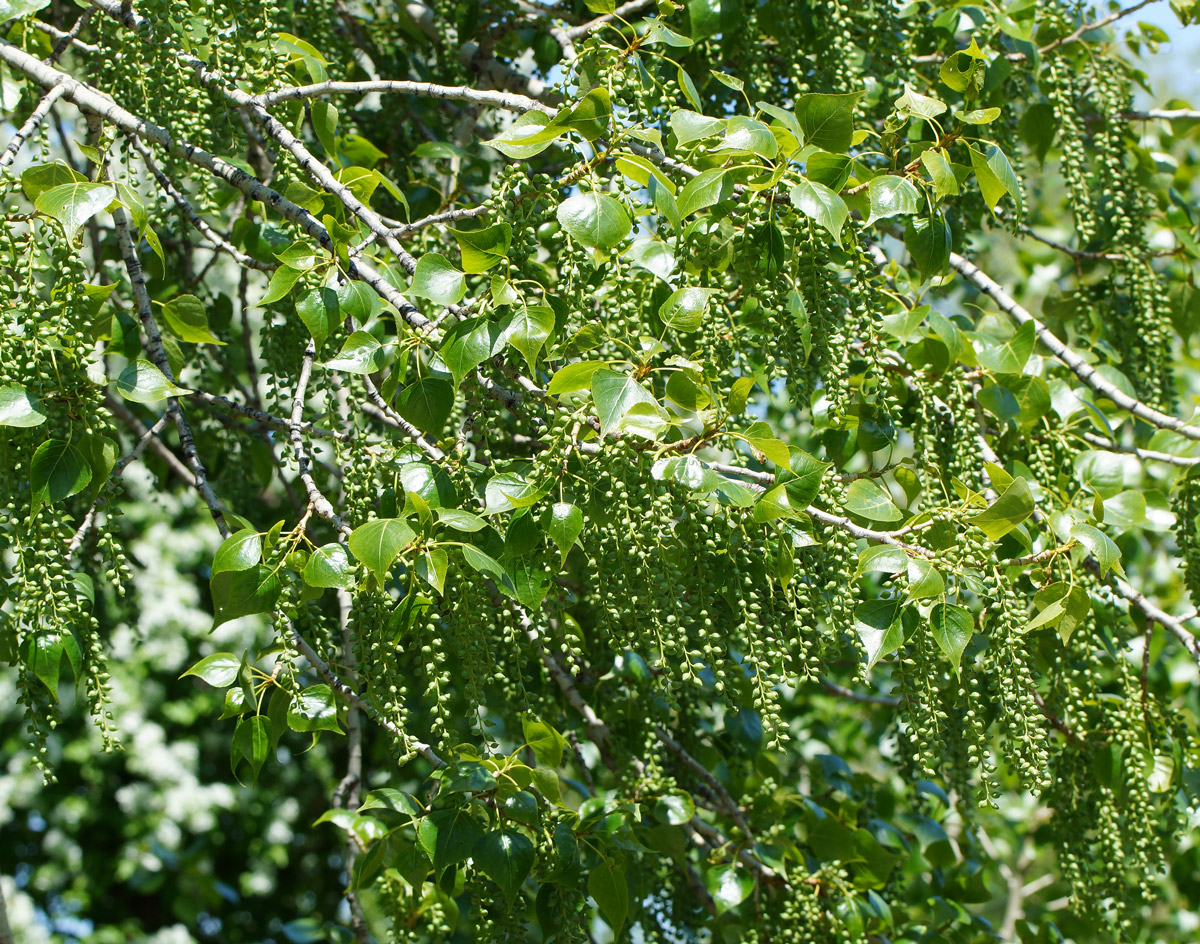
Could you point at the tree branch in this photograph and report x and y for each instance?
(352, 697)
(154, 347)
(32, 123)
(1077, 365)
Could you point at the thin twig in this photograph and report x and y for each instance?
(118, 470)
(1077, 365)
(32, 123)
(352, 697)
(316, 499)
(158, 354)
(165, 184)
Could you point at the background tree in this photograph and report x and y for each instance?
(670, 472)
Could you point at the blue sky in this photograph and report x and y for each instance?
(1175, 70)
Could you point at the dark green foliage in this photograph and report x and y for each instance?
(633, 505)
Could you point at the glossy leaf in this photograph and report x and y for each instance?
(19, 408)
(952, 628)
(868, 499)
(595, 219)
(238, 593)
(329, 566)
(378, 543)
(240, 551)
(506, 857)
(1006, 512)
(74, 204)
(142, 382)
(685, 307)
(822, 205)
(361, 354)
(58, 470)
(436, 278)
(483, 248)
(614, 395)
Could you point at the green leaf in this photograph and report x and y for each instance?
(361, 354)
(20, 408)
(42, 653)
(772, 504)
(239, 551)
(1101, 546)
(822, 205)
(243, 593)
(563, 523)
(746, 136)
(924, 580)
(506, 857)
(527, 329)
(675, 809)
(1007, 511)
(691, 126)
(283, 280)
(832, 170)
(940, 172)
(990, 186)
(879, 629)
(483, 563)
(74, 204)
(914, 103)
(658, 32)
(325, 122)
(884, 558)
(590, 116)
(436, 278)
(709, 187)
(507, 491)
(868, 499)
(427, 404)
(729, 886)
(42, 177)
(483, 248)
(614, 395)
(219, 670)
(1011, 356)
(545, 742)
(449, 836)
(892, 196)
(188, 318)
(467, 344)
(1102, 473)
(928, 242)
(978, 116)
(320, 310)
(528, 136)
(378, 543)
(58, 470)
(607, 885)
(762, 438)
(460, 520)
(431, 567)
(142, 382)
(595, 219)
(685, 307)
(252, 740)
(802, 476)
(827, 121)
(329, 566)
(952, 628)
(572, 377)
(314, 709)
(963, 71)
(997, 160)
